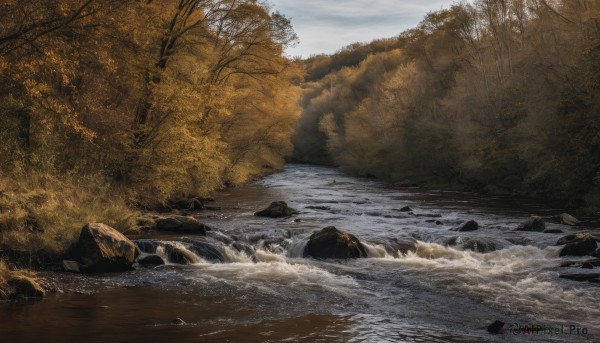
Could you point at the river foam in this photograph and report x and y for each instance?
(517, 279)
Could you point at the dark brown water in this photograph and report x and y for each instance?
(271, 294)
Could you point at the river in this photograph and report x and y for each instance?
(436, 294)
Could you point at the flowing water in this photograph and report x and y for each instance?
(249, 282)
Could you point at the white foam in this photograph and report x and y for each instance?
(265, 275)
(376, 251)
(517, 279)
(232, 255)
(190, 256)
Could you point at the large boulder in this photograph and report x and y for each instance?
(585, 245)
(534, 223)
(181, 224)
(333, 243)
(277, 209)
(103, 249)
(568, 219)
(25, 287)
(576, 237)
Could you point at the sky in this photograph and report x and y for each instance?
(325, 26)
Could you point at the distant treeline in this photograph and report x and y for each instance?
(497, 95)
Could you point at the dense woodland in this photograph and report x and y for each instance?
(109, 105)
(495, 95)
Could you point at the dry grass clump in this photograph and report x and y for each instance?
(43, 215)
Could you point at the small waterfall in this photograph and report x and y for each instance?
(297, 248)
(376, 251)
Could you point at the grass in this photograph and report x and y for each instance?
(5, 275)
(41, 215)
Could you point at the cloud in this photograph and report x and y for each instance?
(326, 26)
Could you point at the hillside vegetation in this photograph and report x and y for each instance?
(494, 95)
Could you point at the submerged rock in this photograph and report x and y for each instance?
(151, 260)
(322, 208)
(591, 264)
(277, 209)
(479, 245)
(406, 209)
(534, 223)
(568, 219)
(471, 225)
(103, 249)
(553, 231)
(402, 246)
(495, 327)
(182, 224)
(333, 243)
(25, 287)
(593, 277)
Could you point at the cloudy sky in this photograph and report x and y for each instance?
(324, 26)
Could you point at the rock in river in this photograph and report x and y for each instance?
(182, 224)
(471, 225)
(103, 249)
(277, 209)
(534, 223)
(568, 219)
(333, 243)
(495, 327)
(576, 237)
(151, 260)
(591, 264)
(580, 244)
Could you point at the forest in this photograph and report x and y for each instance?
(110, 106)
(497, 96)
